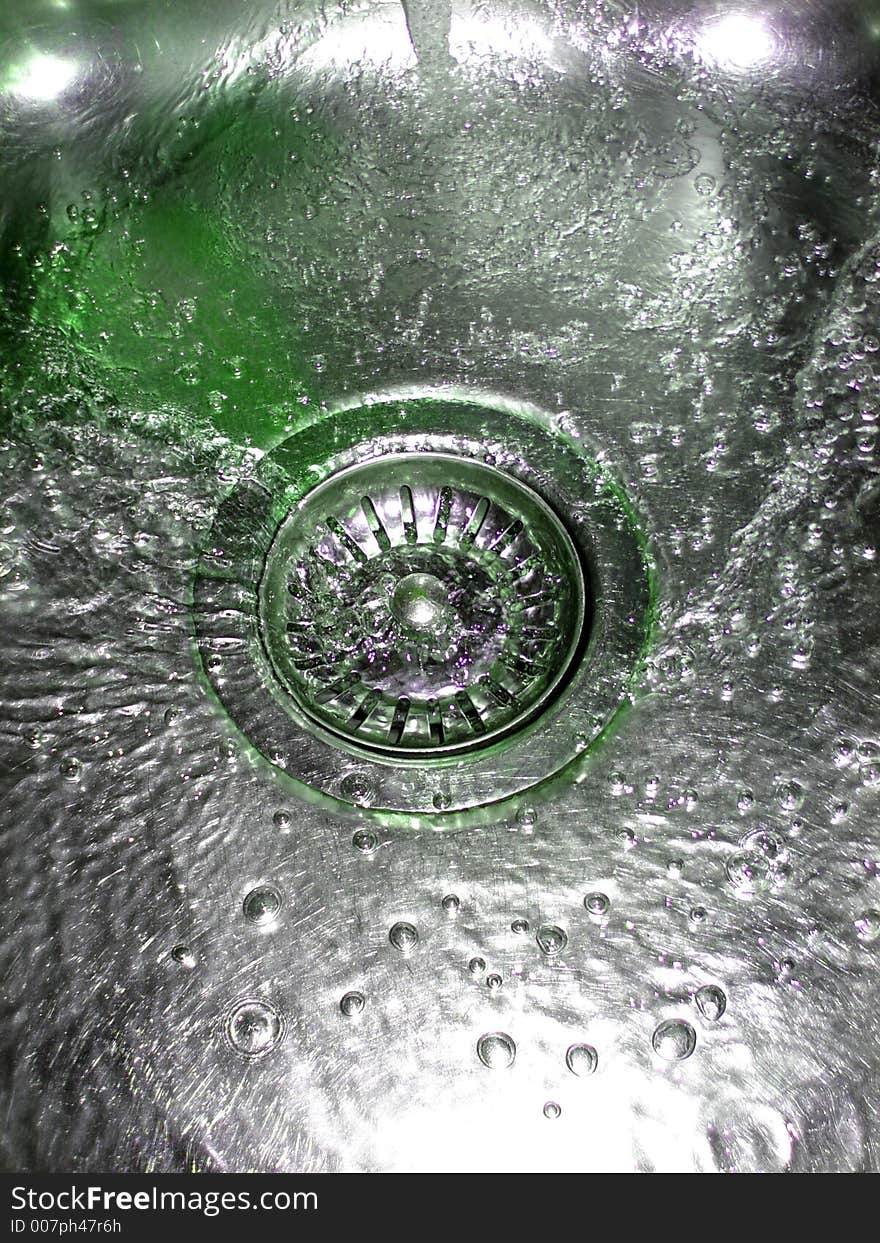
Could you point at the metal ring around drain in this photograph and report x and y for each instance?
(422, 605)
(340, 582)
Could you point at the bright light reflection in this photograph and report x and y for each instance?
(43, 78)
(738, 41)
(474, 34)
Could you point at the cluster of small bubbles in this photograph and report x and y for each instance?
(711, 1002)
(365, 840)
(597, 905)
(551, 939)
(262, 905)
(520, 927)
(441, 801)
(674, 1040)
(356, 788)
(183, 954)
(526, 817)
(70, 769)
(451, 904)
(697, 916)
(403, 936)
(496, 1050)
(552, 1110)
(867, 926)
(581, 1059)
(282, 820)
(477, 966)
(352, 1004)
(494, 982)
(254, 1028)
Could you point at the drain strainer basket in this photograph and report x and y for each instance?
(425, 620)
(422, 605)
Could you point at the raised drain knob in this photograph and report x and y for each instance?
(421, 603)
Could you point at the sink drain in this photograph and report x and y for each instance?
(434, 605)
(422, 605)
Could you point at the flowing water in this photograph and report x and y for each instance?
(652, 227)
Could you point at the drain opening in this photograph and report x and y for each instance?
(421, 604)
(421, 611)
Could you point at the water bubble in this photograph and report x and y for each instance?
(790, 795)
(253, 1028)
(441, 801)
(704, 184)
(171, 715)
(711, 1002)
(697, 916)
(282, 820)
(597, 904)
(451, 904)
(768, 844)
(494, 982)
(520, 927)
(261, 906)
(675, 867)
(581, 1059)
(748, 873)
(526, 817)
(477, 966)
(745, 800)
(674, 1040)
(551, 939)
(352, 1004)
(357, 788)
(403, 937)
(184, 955)
(867, 926)
(552, 1110)
(70, 769)
(365, 840)
(496, 1050)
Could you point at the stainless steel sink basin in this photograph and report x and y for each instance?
(539, 831)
